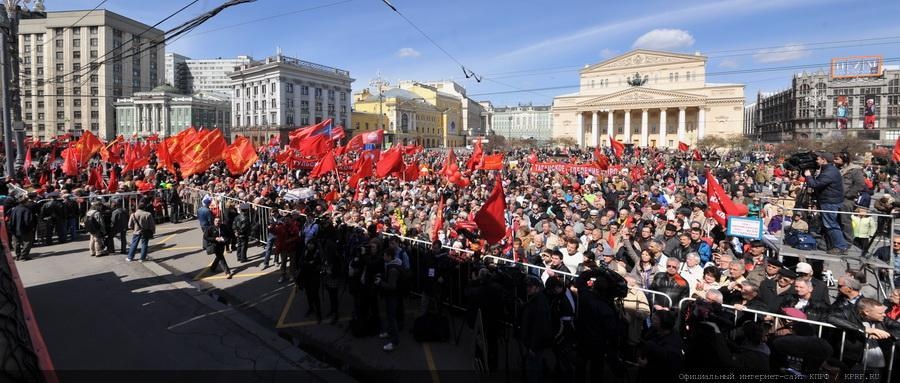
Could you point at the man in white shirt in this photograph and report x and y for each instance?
(571, 256)
(691, 270)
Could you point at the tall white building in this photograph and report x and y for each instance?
(205, 76)
(523, 121)
(74, 64)
(275, 95)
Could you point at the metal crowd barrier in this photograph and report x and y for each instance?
(820, 325)
(869, 251)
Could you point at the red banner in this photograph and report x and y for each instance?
(563, 167)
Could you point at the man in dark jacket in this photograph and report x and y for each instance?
(241, 229)
(205, 216)
(854, 182)
(119, 225)
(173, 201)
(866, 322)
(774, 292)
(22, 223)
(51, 213)
(829, 188)
(536, 330)
(670, 283)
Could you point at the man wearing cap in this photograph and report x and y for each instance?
(829, 191)
(756, 263)
(774, 292)
(241, 228)
(819, 288)
(669, 238)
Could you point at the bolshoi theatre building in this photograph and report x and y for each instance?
(648, 98)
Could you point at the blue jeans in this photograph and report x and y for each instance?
(833, 226)
(135, 238)
(72, 226)
(270, 243)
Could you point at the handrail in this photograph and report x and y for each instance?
(125, 194)
(766, 313)
(830, 211)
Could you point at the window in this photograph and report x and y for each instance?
(60, 103)
(76, 30)
(27, 60)
(95, 114)
(343, 96)
(94, 91)
(40, 116)
(248, 105)
(93, 30)
(95, 126)
(60, 116)
(671, 77)
(318, 107)
(93, 53)
(95, 102)
(76, 78)
(76, 54)
(263, 88)
(94, 78)
(255, 90)
(59, 67)
(76, 43)
(304, 90)
(237, 92)
(59, 56)
(264, 104)
(304, 106)
(28, 104)
(58, 43)
(289, 88)
(94, 42)
(248, 92)
(76, 114)
(273, 104)
(76, 91)
(331, 94)
(76, 102)
(318, 92)
(676, 76)
(40, 104)
(60, 90)
(255, 105)
(28, 116)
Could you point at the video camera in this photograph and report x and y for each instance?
(800, 161)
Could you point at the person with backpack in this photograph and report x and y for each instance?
(389, 284)
(93, 224)
(241, 229)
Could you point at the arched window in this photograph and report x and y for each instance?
(404, 123)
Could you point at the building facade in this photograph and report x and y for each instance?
(205, 76)
(472, 111)
(809, 108)
(751, 116)
(278, 94)
(69, 82)
(648, 98)
(415, 113)
(164, 112)
(774, 110)
(523, 121)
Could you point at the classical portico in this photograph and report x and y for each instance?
(648, 99)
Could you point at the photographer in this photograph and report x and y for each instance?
(829, 191)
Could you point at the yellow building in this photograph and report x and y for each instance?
(648, 98)
(412, 114)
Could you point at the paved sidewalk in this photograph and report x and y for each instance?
(105, 314)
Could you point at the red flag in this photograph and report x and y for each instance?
(491, 219)
(617, 147)
(70, 162)
(720, 205)
(95, 178)
(321, 129)
(27, 164)
(203, 151)
(412, 172)
(683, 147)
(493, 162)
(324, 166)
(87, 146)
(532, 158)
(697, 155)
(391, 161)
(44, 179)
(338, 133)
(314, 146)
(113, 181)
(438, 221)
(284, 157)
(163, 158)
(450, 165)
(475, 158)
(897, 150)
(133, 159)
(273, 141)
(240, 155)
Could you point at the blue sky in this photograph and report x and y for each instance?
(518, 45)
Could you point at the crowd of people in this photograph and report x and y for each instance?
(600, 271)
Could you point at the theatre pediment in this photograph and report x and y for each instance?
(643, 95)
(640, 58)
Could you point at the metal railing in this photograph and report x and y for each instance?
(821, 325)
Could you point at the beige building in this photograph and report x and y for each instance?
(648, 98)
(70, 83)
(414, 113)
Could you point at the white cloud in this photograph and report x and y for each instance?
(408, 52)
(607, 53)
(728, 63)
(665, 40)
(788, 52)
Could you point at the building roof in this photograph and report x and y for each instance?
(166, 88)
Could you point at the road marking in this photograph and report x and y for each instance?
(248, 275)
(287, 307)
(308, 323)
(203, 273)
(429, 358)
(165, 239)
